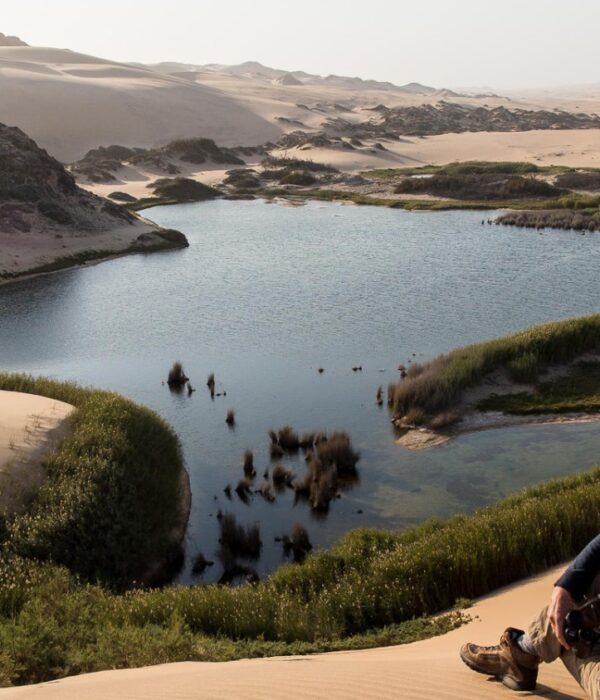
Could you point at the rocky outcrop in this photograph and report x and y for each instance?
(36, 192)
(47, 222)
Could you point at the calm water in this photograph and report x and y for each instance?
(264, 296)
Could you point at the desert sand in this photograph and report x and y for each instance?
(572, 148)
(420, 671)
(29, 427)
(70, 102)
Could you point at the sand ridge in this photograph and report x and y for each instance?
(30, 426)
(420, 671)
(70, 103)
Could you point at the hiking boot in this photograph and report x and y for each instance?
(507, 661)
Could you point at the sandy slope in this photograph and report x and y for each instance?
(576, 148)
(29, 426)
(424, 670)
(70, 102)
(31, 250)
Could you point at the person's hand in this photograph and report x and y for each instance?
(561, 604)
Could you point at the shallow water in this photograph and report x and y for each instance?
(264, 296)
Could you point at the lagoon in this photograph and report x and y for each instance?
(265, 295)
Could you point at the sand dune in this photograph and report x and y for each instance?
(576, 148)
(69, 102)
(29, 426)
(420, 671)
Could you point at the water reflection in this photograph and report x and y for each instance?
(264, 298)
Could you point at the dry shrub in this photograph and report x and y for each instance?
(391, 393)
(244, 489)
(306, 440)
(276, 451)
(337, 450)
(266, 492)
(298, 544)
(320, 483)
(287, 438)
(282, 476)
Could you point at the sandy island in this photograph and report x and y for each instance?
(30, 426)
(423, 670)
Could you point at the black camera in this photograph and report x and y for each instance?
(580, 636)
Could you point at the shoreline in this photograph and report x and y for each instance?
(93, 257)
(416, 439)
(393, 671)
(163, 572)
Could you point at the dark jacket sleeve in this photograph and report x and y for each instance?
(578, 578)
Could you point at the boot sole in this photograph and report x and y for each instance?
(508, 681)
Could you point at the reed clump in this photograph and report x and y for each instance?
(337, 450)
(282, 476)
(241, 542)
(248, 464)
(298, 544)
(177, 377)
(287, 438)
(210, 383)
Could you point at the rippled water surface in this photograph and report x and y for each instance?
(267, 294)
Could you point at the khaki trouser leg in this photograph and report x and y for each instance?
(585, 671)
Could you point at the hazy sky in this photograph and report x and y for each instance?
(445, 43)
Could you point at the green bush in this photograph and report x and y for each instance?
(183, 189)
(113, 492)
(484, 186)
(303, 179)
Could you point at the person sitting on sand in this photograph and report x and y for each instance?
(516, 658)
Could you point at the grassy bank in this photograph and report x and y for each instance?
(578, 391)
(112, 498)
(431, 392)
(372, 588)
(473, 167)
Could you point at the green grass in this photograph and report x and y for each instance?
(373, 587)
(578, 391)
(479, 186)
(437, 386)
(574, 201)
(112, 497)
(464, 168)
